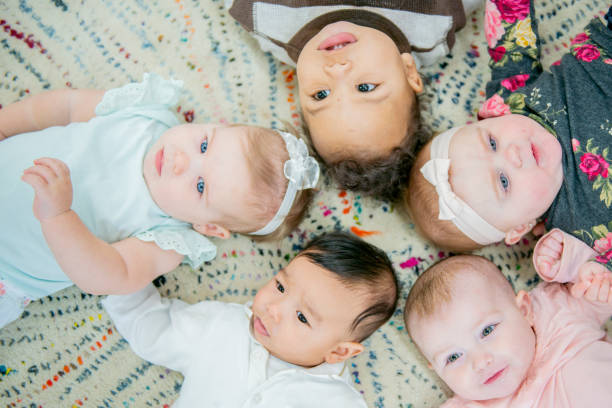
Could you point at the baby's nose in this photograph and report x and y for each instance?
(482, 360)
(181, 162)
(274, 311)
(335, 69)
(513, 155)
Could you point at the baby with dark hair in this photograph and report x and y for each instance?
(357, 65)
(286, 347)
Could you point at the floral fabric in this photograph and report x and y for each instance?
(572, 101)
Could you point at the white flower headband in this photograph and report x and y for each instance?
(301, 170)
(452, 207)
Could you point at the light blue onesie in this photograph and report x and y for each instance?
(105, 157)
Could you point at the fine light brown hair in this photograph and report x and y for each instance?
(434, 288)
(381, 177)
(266, 155)
(420, 201)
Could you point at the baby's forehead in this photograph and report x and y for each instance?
(468, 281)
(472, 294)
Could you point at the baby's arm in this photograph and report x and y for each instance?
(93, 265)
(149, 324)
(51, 108)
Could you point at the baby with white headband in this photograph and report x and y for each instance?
(123, 193)
(540, 152)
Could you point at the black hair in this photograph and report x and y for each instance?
(358, 264)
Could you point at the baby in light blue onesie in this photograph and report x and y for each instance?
(123, 194)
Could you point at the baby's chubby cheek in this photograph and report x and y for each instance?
(538, 197)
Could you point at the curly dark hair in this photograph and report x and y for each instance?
(381, 177)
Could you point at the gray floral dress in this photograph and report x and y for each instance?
(573, 101)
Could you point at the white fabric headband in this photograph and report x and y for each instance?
(301, 170)
(452, 207)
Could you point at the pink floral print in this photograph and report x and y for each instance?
(580, 38)
(512, 10)
(586, 52)
(593, 165)
(575, 144)
(514, 82)
(604, 244)
(604, 258)
(494, 106)
(497, 53)
(493, 26)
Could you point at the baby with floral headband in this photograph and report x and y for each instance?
(540, 152)
(147, 190)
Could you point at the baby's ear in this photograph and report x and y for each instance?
(515, 234)
(523, 301)
(343, 351)
(212, 230)
(412, 73)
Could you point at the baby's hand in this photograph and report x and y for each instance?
(594, 283)
(548, 253)
(50, 179)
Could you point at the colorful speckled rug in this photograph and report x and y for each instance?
(65, 352)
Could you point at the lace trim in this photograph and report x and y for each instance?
(152, 90)
(196, 248)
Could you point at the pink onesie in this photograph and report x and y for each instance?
(572, 366)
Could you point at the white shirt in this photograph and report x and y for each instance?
(223, 365)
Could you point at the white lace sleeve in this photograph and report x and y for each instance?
(195, 246)
(153, 90)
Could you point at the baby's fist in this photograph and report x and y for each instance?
(547, 254)
(50, 179)
(594, 283)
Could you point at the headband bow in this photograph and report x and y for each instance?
(452, 207)
(301, 170)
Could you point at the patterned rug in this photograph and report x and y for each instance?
(65, 351)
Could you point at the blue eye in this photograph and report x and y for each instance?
(200, 185)
(366, 87)
(302, 318)
(453, 357)
(280, 287)
(493, 144)
(488, 330)
(204, 146)
(505, 183)
(320, 95)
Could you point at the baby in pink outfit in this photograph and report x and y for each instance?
(495, 348)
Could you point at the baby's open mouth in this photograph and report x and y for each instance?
(337, 41)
